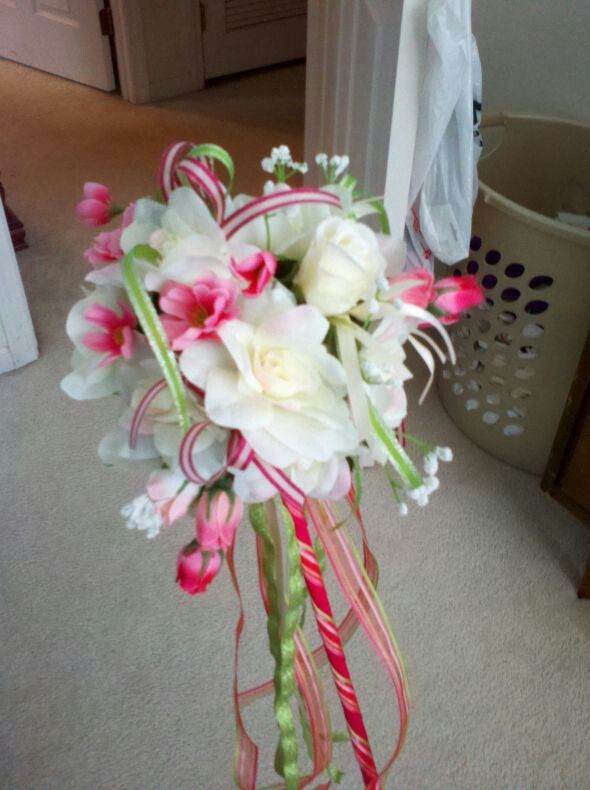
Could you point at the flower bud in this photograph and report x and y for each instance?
(196, 569)
(218, 516)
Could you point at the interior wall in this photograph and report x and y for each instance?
(535, 55)
(535, 58)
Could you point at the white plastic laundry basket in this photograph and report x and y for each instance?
(518, 352)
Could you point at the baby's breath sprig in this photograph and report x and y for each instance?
(332, 168)
(280, 164)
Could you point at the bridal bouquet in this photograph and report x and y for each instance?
(257, 349)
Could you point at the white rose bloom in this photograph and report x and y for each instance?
(342, 267)
(272, 378)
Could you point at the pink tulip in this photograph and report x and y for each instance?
(456, 294)
(218, 516)
(257, 270)
(196, 312)
(118, 338)
(420, 295)
(95, 208)
(196, 569)
(106, 247)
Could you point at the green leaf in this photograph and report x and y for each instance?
(398, 457)
(358, 480)
(152, 327)
(336, 774)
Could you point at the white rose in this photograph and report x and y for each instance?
(341, 267)
(272, 378)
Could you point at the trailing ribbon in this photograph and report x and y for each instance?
(246, 762)
(363, 598)
(294, 501)
(357, 586)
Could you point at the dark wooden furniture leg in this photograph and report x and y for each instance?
(15, 226)
(584, 589)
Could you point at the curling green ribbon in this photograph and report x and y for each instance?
(217, 153)
(282, 623)
(152, 327)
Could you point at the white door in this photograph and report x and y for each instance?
(18, 345)
(60, 36)
(244, 34)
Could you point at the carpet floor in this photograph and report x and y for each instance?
(113, 678)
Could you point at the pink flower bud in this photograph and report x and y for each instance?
(95, 208)
(106, 247)
(420, 290)
(456, 294)
(196, 569)
(218, 516)
(257, 270)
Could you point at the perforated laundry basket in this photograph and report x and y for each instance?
(518, 352)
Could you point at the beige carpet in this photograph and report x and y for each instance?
(112, 678)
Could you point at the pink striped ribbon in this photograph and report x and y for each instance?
(294, 500)
(177, 160)
(246, 764)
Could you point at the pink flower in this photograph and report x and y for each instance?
(420, 295)
(196, 569)
(456, 294)
(170, 494)
(95, 208)
(218, 516)
(257, 270)
(195, 312)
(447, 297)
(106, 247)
(118, 338)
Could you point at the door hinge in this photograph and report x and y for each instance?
(105, 17)
(203, 12)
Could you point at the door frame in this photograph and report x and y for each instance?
(18, 344)
(140, 66)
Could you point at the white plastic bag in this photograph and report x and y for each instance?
(444, 182)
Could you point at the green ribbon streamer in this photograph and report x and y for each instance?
(219, 154)
(383, 218)
(153, 329)
(282, 623)
(398, 457)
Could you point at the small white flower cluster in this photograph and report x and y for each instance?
(141, 514)
(334, 167)
(280, 163)
(431, 483)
